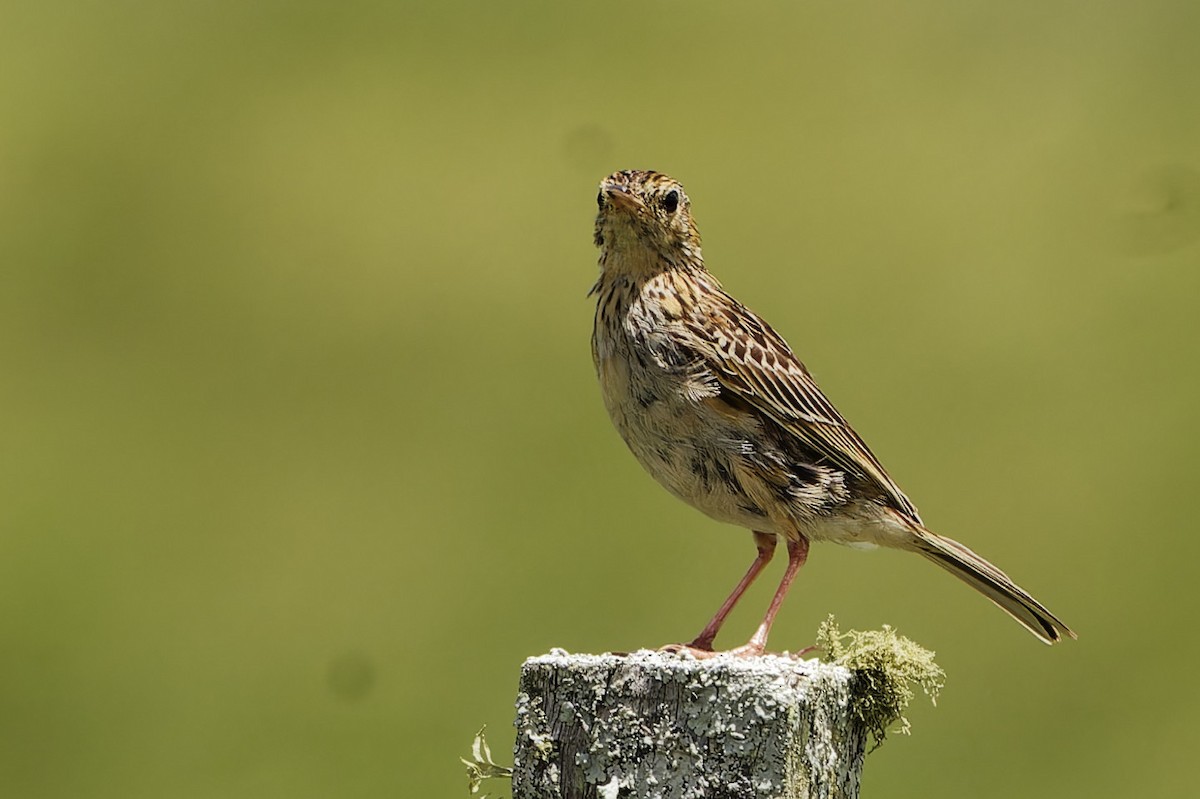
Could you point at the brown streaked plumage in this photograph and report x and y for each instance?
(715, 405)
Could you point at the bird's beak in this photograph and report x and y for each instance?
(621, 198)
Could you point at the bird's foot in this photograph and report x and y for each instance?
(750, 650)
(698, 652)
(702, 650)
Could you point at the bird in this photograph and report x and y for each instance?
(716, 406)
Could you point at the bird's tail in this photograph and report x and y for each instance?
(992, 583)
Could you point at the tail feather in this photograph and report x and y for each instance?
(994, 584)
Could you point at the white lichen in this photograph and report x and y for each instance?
(670, 726)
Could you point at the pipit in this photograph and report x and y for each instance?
(714, 404)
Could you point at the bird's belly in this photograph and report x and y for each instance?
(701, 477)
(689, 449)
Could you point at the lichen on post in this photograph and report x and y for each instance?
(658, 725)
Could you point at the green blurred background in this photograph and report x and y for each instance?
(302, 451)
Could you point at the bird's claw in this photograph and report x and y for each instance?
(705, 652)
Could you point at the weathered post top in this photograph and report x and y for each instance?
(658, 725)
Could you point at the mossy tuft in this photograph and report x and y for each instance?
(885, 665)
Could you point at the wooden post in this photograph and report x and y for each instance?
(656, 725)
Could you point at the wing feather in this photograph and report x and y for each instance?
(751, 360)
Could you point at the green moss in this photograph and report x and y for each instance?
(886, 666)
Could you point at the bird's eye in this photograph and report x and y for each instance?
(670, 201)
(600, 199)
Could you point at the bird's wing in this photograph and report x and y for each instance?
(752, 361)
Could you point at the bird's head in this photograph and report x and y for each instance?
(646, 215)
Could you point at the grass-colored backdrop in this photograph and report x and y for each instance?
(302, 451)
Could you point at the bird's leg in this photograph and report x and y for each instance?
(766, 548)
(797, 554)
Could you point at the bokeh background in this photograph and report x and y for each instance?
(302, 451)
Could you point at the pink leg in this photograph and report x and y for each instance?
(766, 548)
(797, 554)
